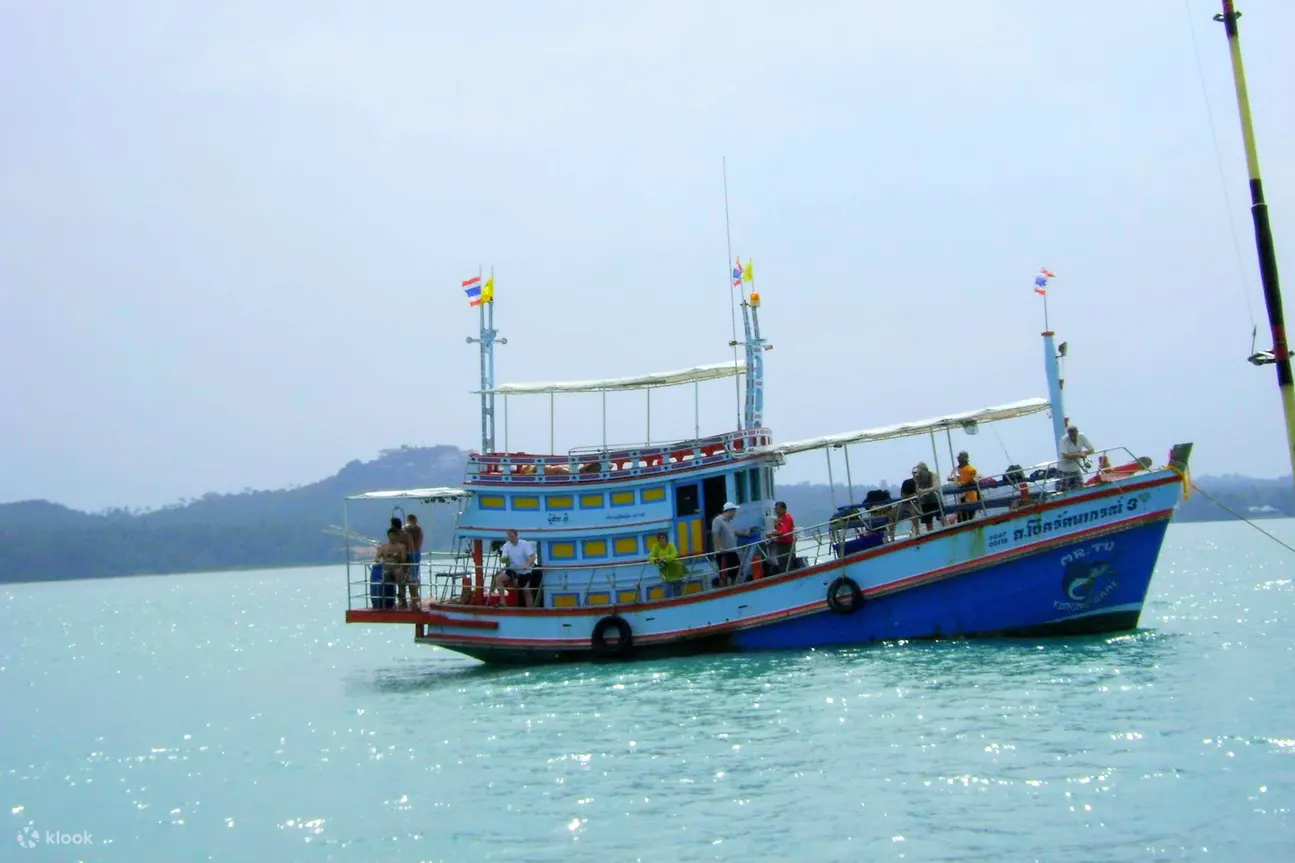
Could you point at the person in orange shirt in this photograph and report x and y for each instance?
(965, 474)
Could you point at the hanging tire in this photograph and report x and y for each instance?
(844, 596)
(612, 637)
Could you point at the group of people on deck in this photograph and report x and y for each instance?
(400, 557)
(920, 496)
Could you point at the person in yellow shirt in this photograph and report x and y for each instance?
(965, 474)
(666, 558)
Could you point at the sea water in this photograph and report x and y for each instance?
(234, 716)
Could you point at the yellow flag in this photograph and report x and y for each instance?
(748, 274)
(488, 290)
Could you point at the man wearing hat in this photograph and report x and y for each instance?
(724, 539)
(1075, 450)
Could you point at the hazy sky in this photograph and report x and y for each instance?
(232, 234)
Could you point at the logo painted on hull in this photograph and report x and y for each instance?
(1089, 576)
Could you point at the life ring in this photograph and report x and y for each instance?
(622, 642)
(853, 599)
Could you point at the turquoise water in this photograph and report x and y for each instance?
(235, 717)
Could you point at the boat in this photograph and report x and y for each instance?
(1025, 552)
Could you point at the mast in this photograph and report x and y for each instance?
(755, 349)
(1280, 354)
(748, 409)
(486, 338)
(1053, 371)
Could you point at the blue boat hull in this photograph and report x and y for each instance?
(1048, 593)
(1072, 587)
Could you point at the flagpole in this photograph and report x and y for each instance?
(728, 237)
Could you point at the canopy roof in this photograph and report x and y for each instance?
(426, 495)
(951, 421)
(710, 372)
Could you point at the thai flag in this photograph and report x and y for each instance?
(737, 274)
(472, 287)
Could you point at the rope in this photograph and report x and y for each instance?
(1224, 506)
(1218, 158)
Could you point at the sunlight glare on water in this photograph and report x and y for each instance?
(234, 716)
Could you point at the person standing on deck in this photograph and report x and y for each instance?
(403, 537)
(416, 555)
(666, 557)
(1075, 449)
(965, 474)
(928, 498)
(391, 556)
(725, 545)
(784, 538)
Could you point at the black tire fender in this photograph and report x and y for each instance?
(621, 641)
(844, 596)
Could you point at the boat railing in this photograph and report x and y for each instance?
(593, 464)
(450, 578)
(855, 527)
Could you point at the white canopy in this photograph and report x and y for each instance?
(426, 495)
(710, 372)
(983, 415)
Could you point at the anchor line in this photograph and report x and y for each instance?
(1248, 521)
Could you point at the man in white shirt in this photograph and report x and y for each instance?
(518, 557)
(1074, 449)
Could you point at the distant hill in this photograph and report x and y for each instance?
(43, 541)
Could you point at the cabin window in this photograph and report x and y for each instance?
(624, 546)
(559, 502)
(755, 484)
(622, 498)
(687, 501)
(740, 479)
(591, 501)
(768, 481)
(595, 548)
(652, 495)
(562, 550)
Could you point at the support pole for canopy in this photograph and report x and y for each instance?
(649, 416)
(831, 486)
(935, 455)
(346, 529)
(604, 423)
(505, 424)
(553, 445)
(696, 411)
(1263, 236)
(849, 480)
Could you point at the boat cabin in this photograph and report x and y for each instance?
(594, 512)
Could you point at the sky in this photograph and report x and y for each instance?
(232, 235)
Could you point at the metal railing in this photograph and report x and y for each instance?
(450, 577)
(589, 464)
